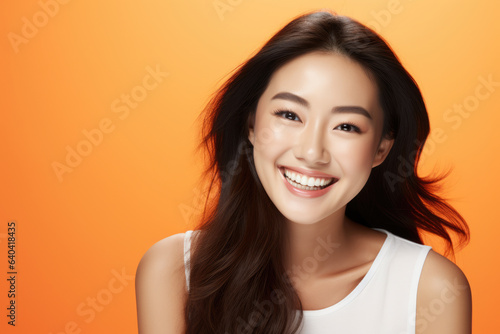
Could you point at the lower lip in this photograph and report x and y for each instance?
(305, 193)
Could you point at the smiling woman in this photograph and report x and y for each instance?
(330, 131)
(306, 235)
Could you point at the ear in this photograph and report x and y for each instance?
(382, 151)
(250, 125)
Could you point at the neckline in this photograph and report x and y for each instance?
(361, 285)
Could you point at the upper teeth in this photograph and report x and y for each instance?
(306, 180)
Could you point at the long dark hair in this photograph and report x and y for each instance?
(237, 280)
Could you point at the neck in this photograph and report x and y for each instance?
(311, 248)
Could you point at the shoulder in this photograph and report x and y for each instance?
(164, 255)
(444, 302)
(160, 287)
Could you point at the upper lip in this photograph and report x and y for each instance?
(309, 173)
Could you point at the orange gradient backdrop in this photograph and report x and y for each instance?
(84, 222)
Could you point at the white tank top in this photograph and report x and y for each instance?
(383, 302)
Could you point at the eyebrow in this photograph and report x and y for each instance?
(339, 109)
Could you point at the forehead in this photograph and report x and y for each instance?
(326, 80)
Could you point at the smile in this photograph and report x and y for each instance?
(306, 186)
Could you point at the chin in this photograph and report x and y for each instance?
(301, 218)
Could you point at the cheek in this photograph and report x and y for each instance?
(271, 142)
(354, 156)
(271, 138)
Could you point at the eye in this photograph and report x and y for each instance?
(348, 127)
(287, 114)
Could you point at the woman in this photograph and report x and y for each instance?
(315, 228)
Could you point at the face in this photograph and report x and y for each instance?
(318, 123)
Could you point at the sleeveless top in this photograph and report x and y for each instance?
(383, 302)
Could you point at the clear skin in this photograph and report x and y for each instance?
(345, 144)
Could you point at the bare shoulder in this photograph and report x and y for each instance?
(444, 301)
(160, 287)
(164, 255)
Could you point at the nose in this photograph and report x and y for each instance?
(310, 146)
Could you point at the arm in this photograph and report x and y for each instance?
(161, 287)
(444, 302)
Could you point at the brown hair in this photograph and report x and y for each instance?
(237, 281)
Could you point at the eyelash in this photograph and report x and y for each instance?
(280, 112)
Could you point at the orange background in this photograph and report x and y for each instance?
(138, 183)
